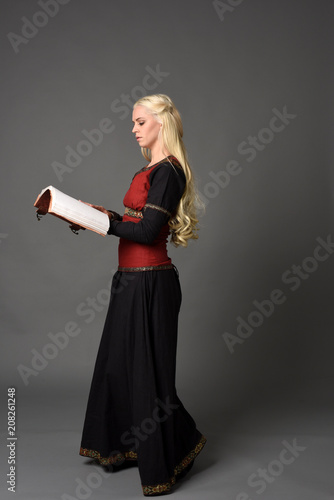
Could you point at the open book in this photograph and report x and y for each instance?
(54, 202)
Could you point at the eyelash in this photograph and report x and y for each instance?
(142, 123)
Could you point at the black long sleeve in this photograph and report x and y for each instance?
(166, 188)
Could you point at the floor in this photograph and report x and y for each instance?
(285, 452)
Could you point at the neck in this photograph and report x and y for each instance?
(157, 154)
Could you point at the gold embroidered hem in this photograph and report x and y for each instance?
(148, 490)
(146, 268)
(163, 487)
(114, 459)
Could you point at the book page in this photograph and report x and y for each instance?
(73, 210)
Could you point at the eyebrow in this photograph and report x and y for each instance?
(140, 118)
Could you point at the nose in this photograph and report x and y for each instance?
(134, 129)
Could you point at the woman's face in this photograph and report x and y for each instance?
(146, 127)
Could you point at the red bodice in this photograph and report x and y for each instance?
(131, 253)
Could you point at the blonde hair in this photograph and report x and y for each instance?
(184, 222)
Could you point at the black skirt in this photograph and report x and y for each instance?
(133, 411)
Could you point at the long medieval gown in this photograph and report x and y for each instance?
(133, 411)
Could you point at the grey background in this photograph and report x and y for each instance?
(226, 77)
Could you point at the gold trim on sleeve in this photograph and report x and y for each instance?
(156, 207)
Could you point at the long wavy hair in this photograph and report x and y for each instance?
(183, 223)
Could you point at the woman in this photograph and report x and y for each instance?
(133, 412)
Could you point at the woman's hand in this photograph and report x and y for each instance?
(97, 207)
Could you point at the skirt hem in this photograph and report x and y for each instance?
(148, 490)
